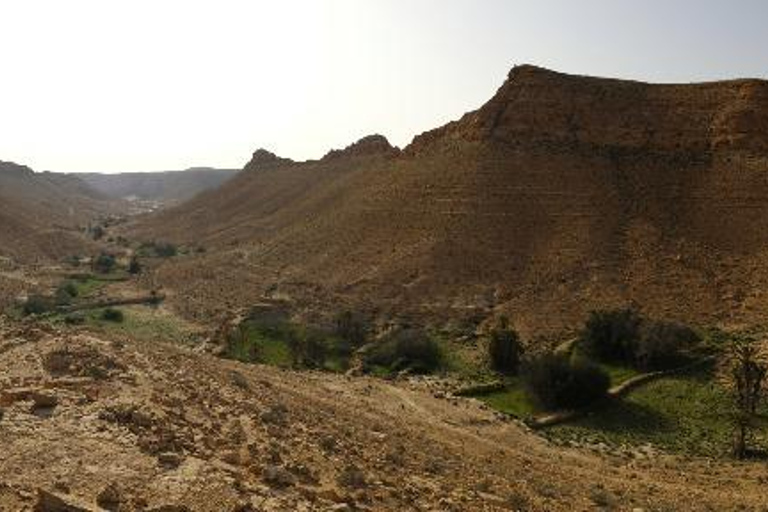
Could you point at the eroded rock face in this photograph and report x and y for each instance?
(370, 145)
(546, 107)
(263, 158)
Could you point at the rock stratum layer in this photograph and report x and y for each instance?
(559, 195)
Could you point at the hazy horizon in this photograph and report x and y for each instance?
(146, 86)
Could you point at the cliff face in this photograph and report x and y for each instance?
(559, 195)
(544, 107)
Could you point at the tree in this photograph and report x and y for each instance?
(745, 375)
(351, 329)
(557, 382)
(504, 348)
(104, 263)
(611, 335)
(134, 267)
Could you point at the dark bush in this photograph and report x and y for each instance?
(504, 348)
(38, 304)
(166, 250)
(407, 348)
(74, 319)
(134, 267)
(104, 263)
(611, 335)
(112, 315)
(97, 232)
(352, 331)
(309, 348)
(65, 293)
(663, 345)
(555, 382)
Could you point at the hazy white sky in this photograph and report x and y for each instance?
(107, 85)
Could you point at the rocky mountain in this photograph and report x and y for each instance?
(165, 187)
(561, 194)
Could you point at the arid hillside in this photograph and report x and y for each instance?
(41, 214)
(560, 194)
(166, 187)
(98, 423)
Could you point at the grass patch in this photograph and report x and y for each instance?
(139, 322)
(618, 373)
(88, 286)
(512, 400)
(274, 344)
(684, 414)
(256, 343)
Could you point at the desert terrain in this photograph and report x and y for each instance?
(169, 361)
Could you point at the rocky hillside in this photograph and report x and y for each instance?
(96, 423)
(41, 213)
(165, 187)
(560, 194)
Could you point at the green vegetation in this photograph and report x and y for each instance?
(352, 330)
(622, 336)
(505, 351)
(557, 381)
(66, 293)
(104, 263)
(37, 304)
(405, 349)
(87, 285)
(139, 322)
(157, 250)
(283, 344)
(134, 267)
(512, 400)
(684, 413)
(745, 374)
(112, 315)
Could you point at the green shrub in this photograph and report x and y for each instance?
(622, 336)
(65, 293)
(74, 319)
(611, 335)
(38, 304)
(504, 348)
(663, 345)
(352, 331)
(166, 250)
(134, 267)
(407, 348)
(97, 232)
(104, 263)
(309, 347)
(556, 382)
(112, 315)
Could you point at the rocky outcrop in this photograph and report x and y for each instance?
(367, 146)
(544, 107)
(263, 159)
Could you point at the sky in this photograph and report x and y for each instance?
(141, 85)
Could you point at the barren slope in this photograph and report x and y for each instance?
(561, 194)
(144, 426)
(41, 213)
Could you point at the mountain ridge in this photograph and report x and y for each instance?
(559, 195)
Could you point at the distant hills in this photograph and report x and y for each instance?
(165, 187)
(561, 194)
